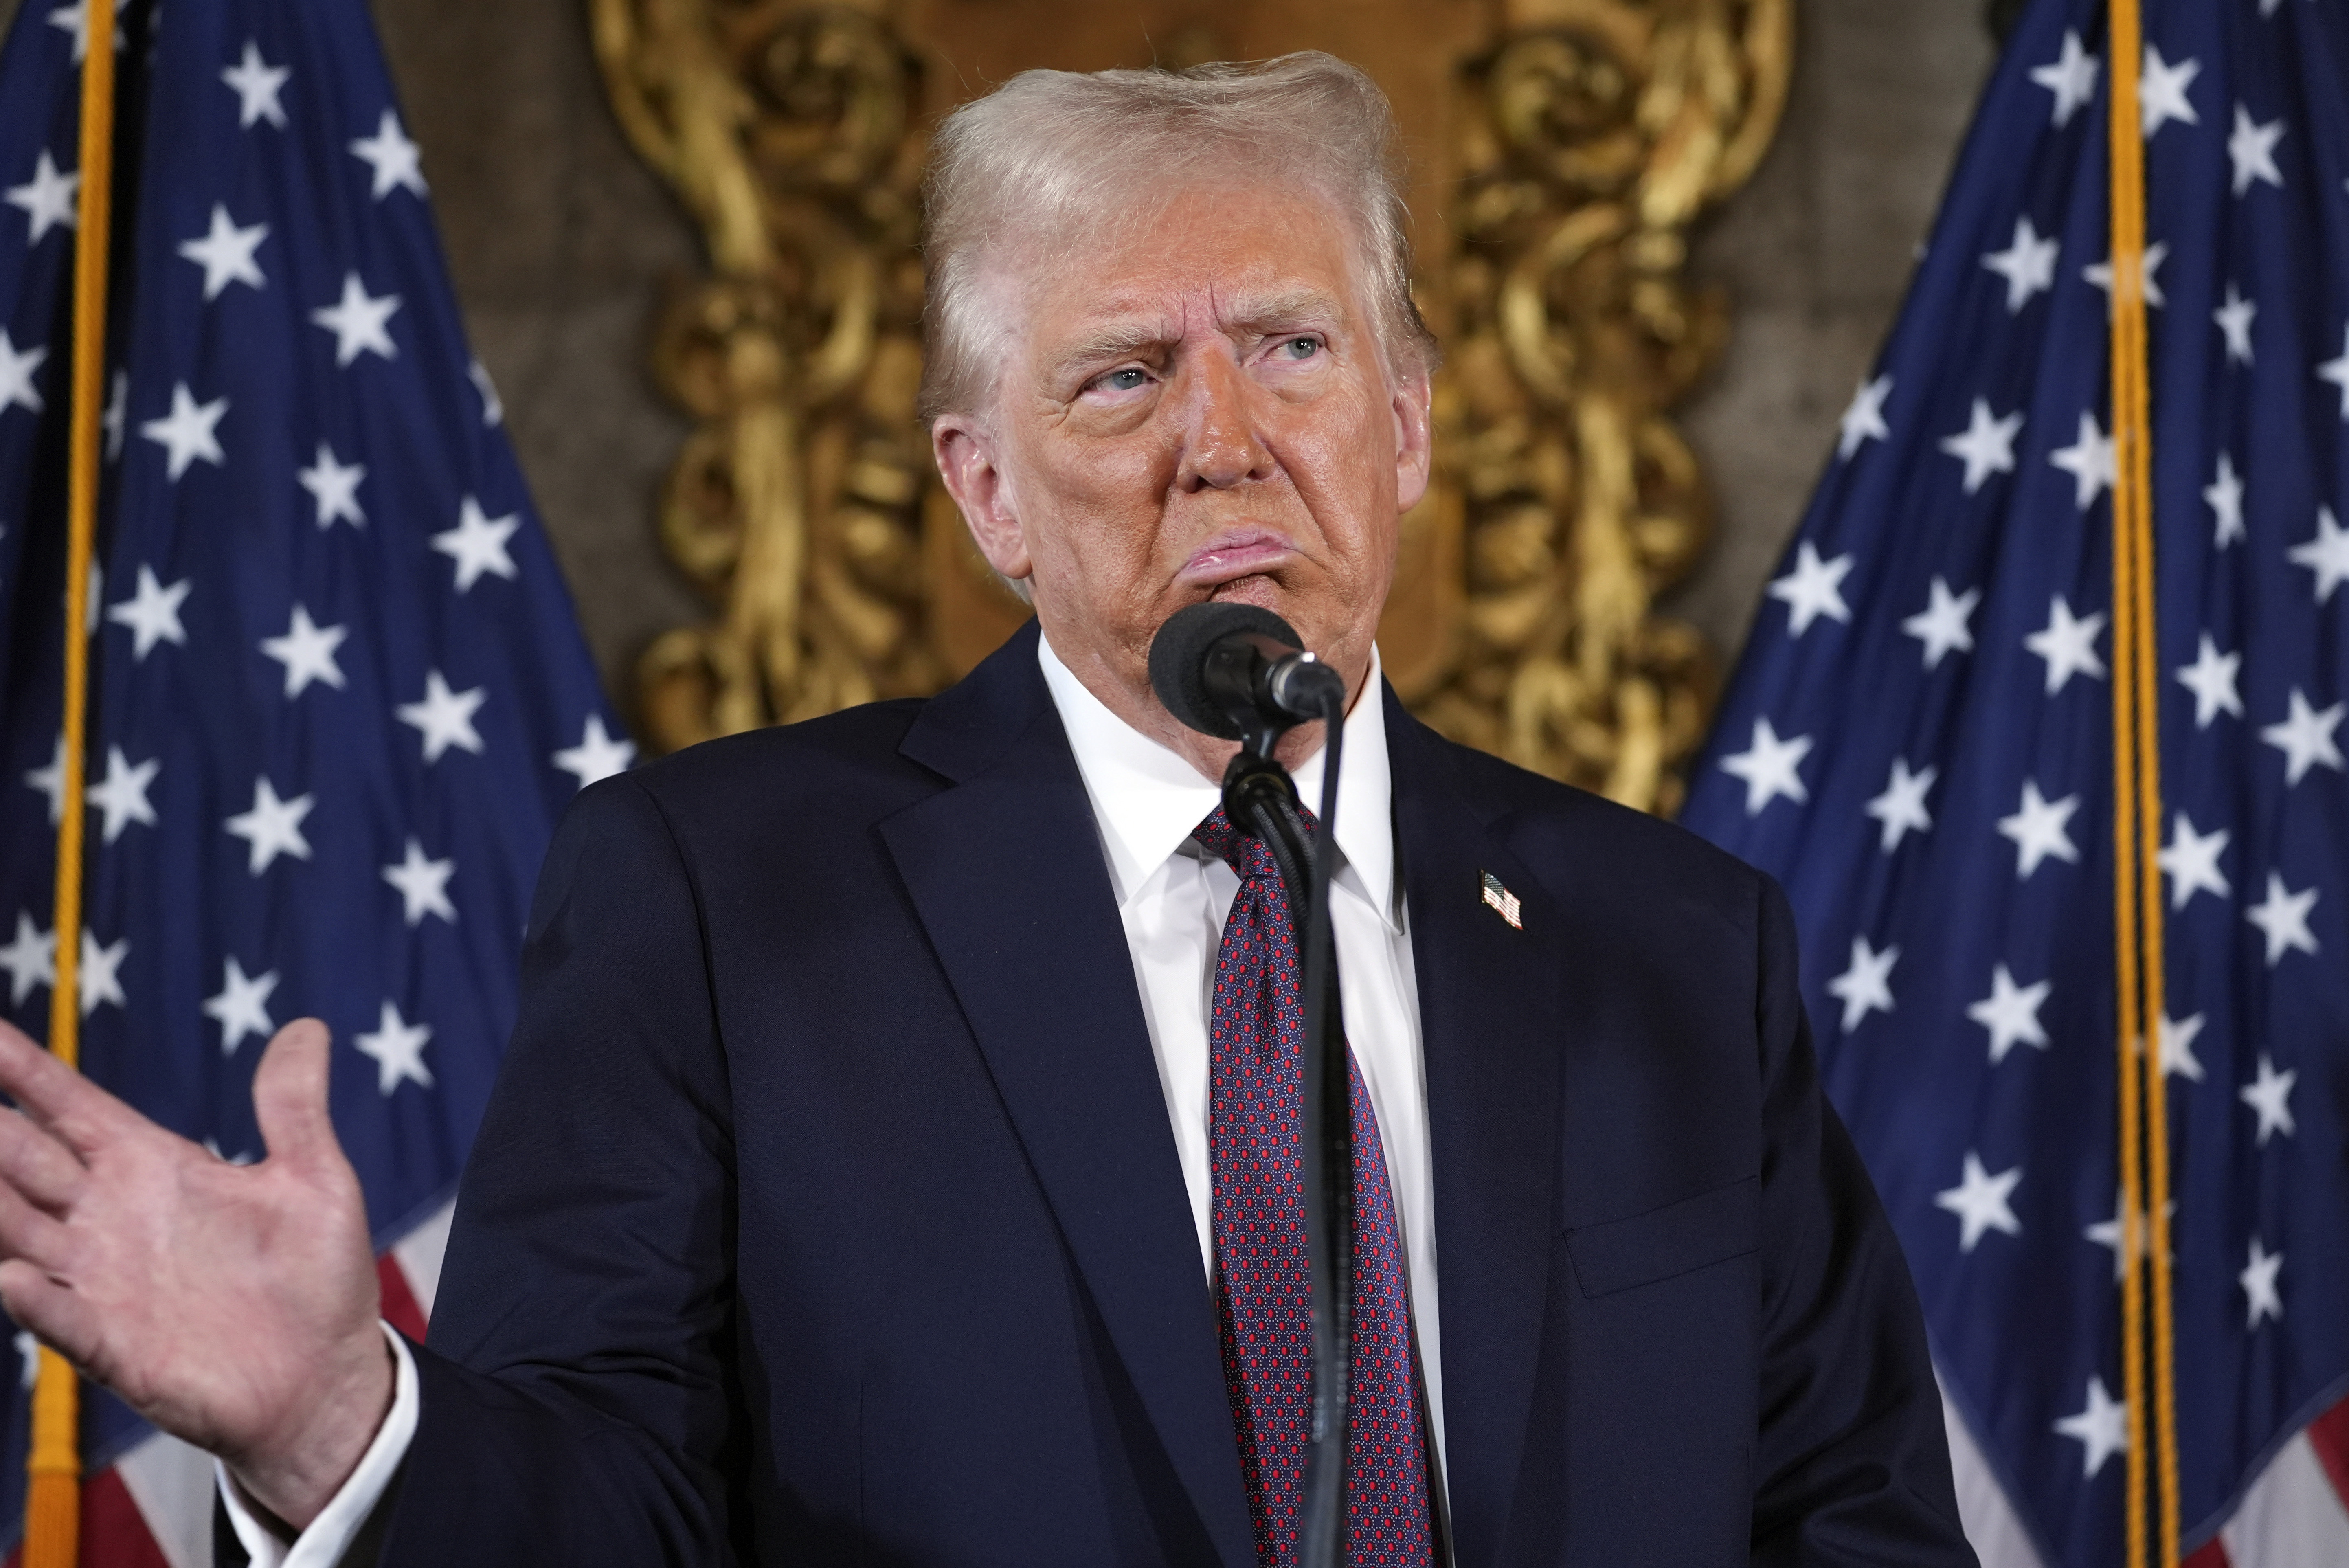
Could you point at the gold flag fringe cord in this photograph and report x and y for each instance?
(53, 1503)
(2147, 1331)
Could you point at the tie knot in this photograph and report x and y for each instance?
(1243, 853)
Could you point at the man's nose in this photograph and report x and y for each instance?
(1221, 446)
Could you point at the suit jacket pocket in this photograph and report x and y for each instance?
(1677, 1239)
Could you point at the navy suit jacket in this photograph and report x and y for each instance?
(827, 1209)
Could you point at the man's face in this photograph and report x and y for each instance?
(1197, 407)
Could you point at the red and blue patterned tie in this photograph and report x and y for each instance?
(1256, 1142)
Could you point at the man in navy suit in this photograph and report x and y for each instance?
(864, 1182)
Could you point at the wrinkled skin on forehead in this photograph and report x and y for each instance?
(1196, 403)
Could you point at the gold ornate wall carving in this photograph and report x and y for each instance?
(1583, 139)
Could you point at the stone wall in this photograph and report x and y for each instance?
(561, 244)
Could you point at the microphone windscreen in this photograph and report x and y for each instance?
(1178, 660)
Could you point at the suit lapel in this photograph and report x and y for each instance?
(1006, 871)
(1490, 1025)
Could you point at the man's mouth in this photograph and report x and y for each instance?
(1239, 553)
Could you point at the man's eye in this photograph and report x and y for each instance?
(1124, 381)
(1301, 348)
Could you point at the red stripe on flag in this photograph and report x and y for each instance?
(2329, 1436)
(2213, 1555)
(114, 1534)
(399, 1308)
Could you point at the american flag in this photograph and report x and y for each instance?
(1919, 743)
(338, 692)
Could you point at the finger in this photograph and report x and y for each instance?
(80, 1113)
(25, 1232)
(58, 1316)
(37, 1165)
(289, 1095)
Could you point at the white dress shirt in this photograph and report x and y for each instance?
(1173, 899)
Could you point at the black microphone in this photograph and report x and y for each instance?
(1236, 670)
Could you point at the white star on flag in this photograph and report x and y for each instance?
(2068, 644)
(1863, 420)
(494, 411)
(226, 253)
(2327, 555)
(2071, 77)
(47, 198)
(116, 417)
(152, 612)
(334, 486)
(2111, 1232)
(51, 781)
(2101, 1426)
(31, 960)
(257, 83)
(1865, 985)
(2089, 460)
(2305, 738)
(398, 1049)
(307, 653)
(188, 432)
(2283, 917)
(598, 755)
(2192, 862)
(1986, 446)
(122, 794)
(16, 369)
(1942, 626)
(2038, 829)
(2028, 264)
(360, 323)
(2252, 149)
(2161, 93)
(477, 543)
(241, 1008)
(2270, 1097)
(2334, 370)
(2259, 1281)
(74, 19)
(1769, 767)
(2101, 274)
(274, 826)
(101, 977)
(2225, 496)
(392, 156)
(423, 884)
(1901, 808)
(2176, 1037)
(2010, 1013)
(1814, 588)
(1979, 1200)
(444, 718)
(2211, 679)
(2234, 318)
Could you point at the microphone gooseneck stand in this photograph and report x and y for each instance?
(1260, 799)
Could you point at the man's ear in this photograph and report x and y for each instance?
(1414, 441)
(968, 462)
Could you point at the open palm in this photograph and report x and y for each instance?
(233, 1306)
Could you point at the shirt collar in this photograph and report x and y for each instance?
(1146, 797)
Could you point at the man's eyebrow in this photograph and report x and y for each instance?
(1280, 310)
(1113, 342)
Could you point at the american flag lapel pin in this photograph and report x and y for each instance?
(1503, 901)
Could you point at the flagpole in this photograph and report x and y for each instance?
(2149, 1348)
(53, 1504)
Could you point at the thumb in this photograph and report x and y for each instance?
(289, 1094)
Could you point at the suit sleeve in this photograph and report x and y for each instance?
(578, 1401)
(1852, 1465)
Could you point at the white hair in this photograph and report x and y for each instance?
(1019, 170)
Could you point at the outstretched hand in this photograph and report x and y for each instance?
(233, 1306)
